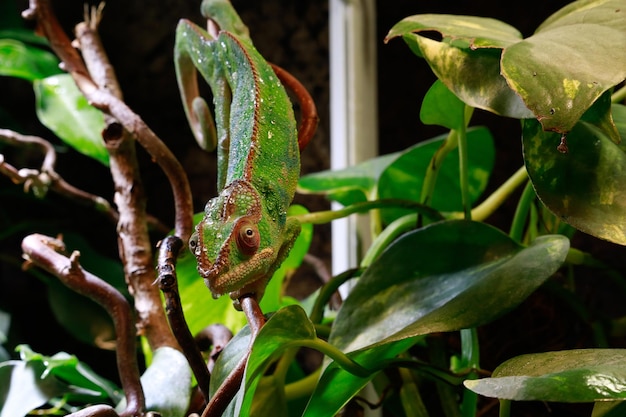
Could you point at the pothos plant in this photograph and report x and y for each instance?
(435, 266)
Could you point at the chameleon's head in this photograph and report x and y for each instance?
(231, 244)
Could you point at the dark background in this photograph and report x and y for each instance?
(139, 37)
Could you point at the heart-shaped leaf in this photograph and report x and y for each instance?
(583, 375)
(584, 186)
(447, 276)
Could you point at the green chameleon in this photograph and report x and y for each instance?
(245, 233)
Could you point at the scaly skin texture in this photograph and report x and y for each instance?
(245, 234)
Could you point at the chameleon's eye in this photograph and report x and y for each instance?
(248, 238)
(193, 243)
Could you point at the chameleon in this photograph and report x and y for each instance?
(245, 233)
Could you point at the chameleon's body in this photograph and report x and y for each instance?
(245, 233)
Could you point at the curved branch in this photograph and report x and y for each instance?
(44, 251)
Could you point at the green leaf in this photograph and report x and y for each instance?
(22, 387)
(83, 384)
(444, 277)
(327, 400)
(166, 383)
(350, 185)
(584, 187)
(554, 75)
(583, 375)
(64, 110)
(473, 75)
(609, 409)
(619, 117)
(447, 276)
(404, 177)
(18, 59)
(475, 31)
(288, 327)
(441, 107)
(467, 60)
(233, 352)
(561, 71)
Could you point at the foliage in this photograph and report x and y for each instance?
(435, 265)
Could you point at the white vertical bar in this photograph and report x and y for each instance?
(353, 111)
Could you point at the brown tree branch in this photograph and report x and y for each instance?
(110, 104)
(44, 251)
(169, 249)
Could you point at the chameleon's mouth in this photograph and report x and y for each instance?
(221, 279)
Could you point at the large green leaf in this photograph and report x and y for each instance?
(18, 59)
(583, 375)
(63, 109)
(554, 76)
(584, 187)
(227, 361)
(441, 107)
(404, 178)
(444, 277)
(447, 276)
(561, 71)
(472, 74)
(474, 31)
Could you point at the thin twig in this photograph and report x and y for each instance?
(215, 336)
(44, 251)
(44, 179)
(169, 249)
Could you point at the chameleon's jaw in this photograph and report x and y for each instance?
(239, 280)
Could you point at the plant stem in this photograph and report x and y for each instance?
(495, 200)
(389, 234)
(505, 408)
(464, 173)
(521, 213)
(471, 358)
(430, 177)
(327, 290)
(302, 387)
(411, 399)
(326, 216)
